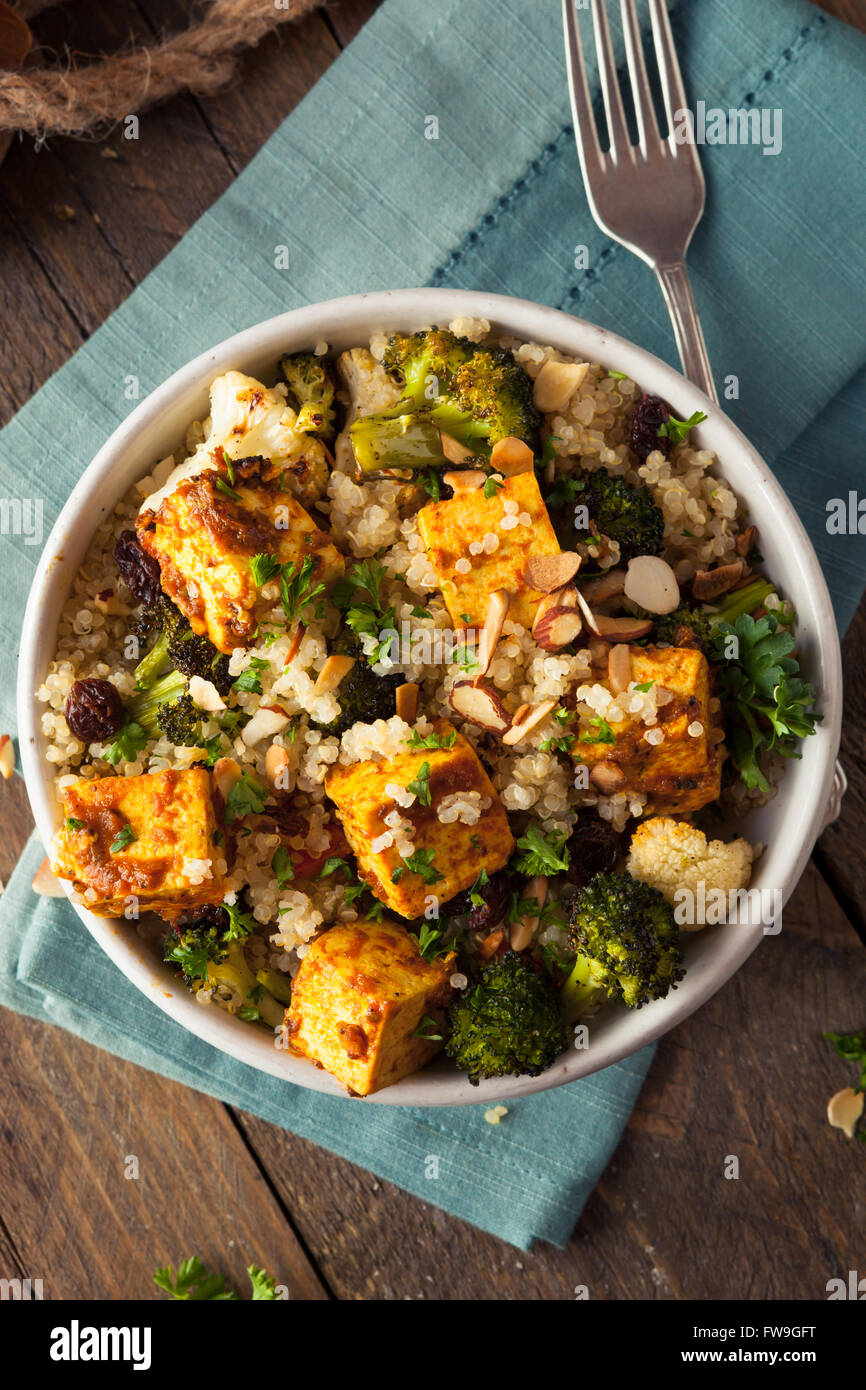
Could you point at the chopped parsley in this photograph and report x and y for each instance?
(72, 823)
(564, 492)
(264, 568)
(424, 1029)
(247, 797)
(492, 486)
(540, 853)
(249, 1014)
(476, 897)
(431, 740)
(601, 732)
(331, 866)
(430, 943)
(281, 863)
(420, 785)
(645, 686)
(852, 1047)
(248, 679)
(429, 480)
(618, 376)
(124, 837)
(421, 863)
(297, 590)
(240, 923)
(229, 491)
(127, 745)
(558, 745)
(677, 430)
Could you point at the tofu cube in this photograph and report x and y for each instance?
(149, 838)
(358, 999)
(448, 853)
(683, 772)
(203, 539)
(448, 529)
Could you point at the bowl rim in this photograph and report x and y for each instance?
(363, 314)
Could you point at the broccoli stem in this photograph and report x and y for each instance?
(144, 708)
(462, 426)
(150, 666)
(581, 990)
(739, 601)
(387, 441)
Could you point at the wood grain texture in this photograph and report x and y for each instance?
(745, 1076)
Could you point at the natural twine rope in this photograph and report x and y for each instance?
(78, 101)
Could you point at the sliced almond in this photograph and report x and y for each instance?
(466, 480)
(520, 713)
(588, 616)
(226, 774)
(497, 610)
(745, 541)
(547, 573)
(7, 756)
(710, 584)
(454, 451)
(406, 699)
(599, 651)
(619, 667)
(556, 383)
(530, 721)
(480, 705)
(490, 945)
(556, 628)
(608, 778)
(334, 670)
(276, 765)
(510, 456)
(651, 584)
(622, 629)
(566, 597)
(844, 1110)
(523, 931)
(294, 644)
(603, 589)
(45, 883)
(264, 724)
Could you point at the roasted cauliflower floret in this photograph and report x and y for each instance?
(366, 1006)
(671, 855)
(204, 534)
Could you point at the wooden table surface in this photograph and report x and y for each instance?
(748, 1075)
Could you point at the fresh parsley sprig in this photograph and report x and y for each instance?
(540, 853)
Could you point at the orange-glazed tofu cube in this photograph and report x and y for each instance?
(361, 997)
(681, 772)
(205, 533)
(516, 518)
(148, 838)
(457, 824)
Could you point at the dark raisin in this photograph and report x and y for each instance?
(649, 415)
(594, 847)
(212, 915)
(488, 914)
(138, 570)
(94, 710)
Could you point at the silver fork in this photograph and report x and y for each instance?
(649, 197)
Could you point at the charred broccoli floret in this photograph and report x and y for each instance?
(696, 627)
(615, 508)
(166, 708)
(178, 646)
(627, 945)
(392, 440)
(363, 696)
(507, 1023)
(476, 394)
(312, 391)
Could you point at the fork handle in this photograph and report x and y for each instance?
(677, 290)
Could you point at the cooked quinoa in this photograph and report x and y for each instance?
(377, 519)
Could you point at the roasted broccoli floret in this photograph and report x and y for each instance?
(194, 948)
(627, 945)
(508, 1022)
(312, 389)
(363, 696)
(696, 627)
(476, 394)
(177, 645)
(166, 708)
(406, 440)
(625, 513)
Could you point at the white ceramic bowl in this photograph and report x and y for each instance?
(788, 825)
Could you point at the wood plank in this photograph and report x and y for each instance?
(348, 17)
(839, 851)
(748, 1075)
(72, 1116)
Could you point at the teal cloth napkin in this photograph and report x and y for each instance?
(363, 200)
